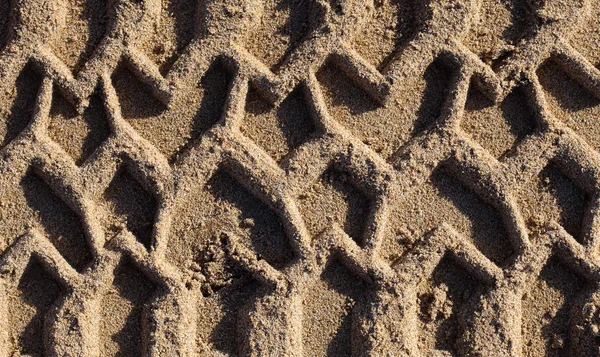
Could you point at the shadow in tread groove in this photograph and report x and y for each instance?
(134, 206)
(547, 311)
(21, 113)
(79, 135)
(86, 23)
(489, 233)
(438, 78)
(392, 26)
(328, 311)
(344, 92)
(256, 222)
(185, 13)
(335, 199)
(122, 325)
(553, 196)
(62, 226)
(4, 22)
(278, 130)
(498, 128)
(37, 291)
(570, 200)
(570, 102)
(440, 299)
(568, 93)
(288, 19)
(219, 314)
(135, 97)
(215, 85)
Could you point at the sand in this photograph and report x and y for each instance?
(299, 178)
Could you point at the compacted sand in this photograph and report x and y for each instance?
(299, 178)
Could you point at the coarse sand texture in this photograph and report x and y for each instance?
(299, 178)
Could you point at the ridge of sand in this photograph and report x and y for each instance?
(299, 178)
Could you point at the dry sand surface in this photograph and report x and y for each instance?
(299, 178)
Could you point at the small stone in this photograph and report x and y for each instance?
(558, 342)
(247, 223)
(199, 277)
(589, 310)
(194, 266)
